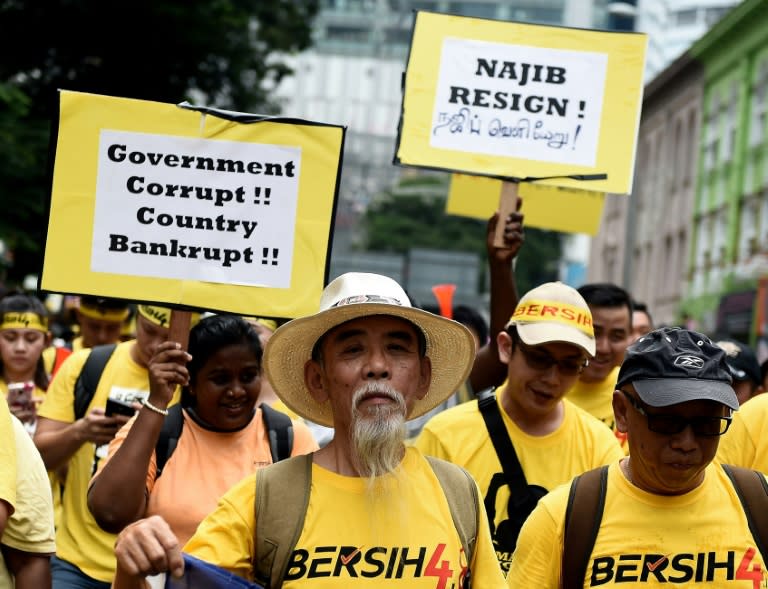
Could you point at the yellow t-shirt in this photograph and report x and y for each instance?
(7, 458)
(55, 483)
(79, 539)
(596, 398)
(204, 466)
(699, 539)
(459, 435)
(283, 408)
(30, 528)
(405, 538)
(746, 441)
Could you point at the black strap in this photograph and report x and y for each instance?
(169, 437)
(583, 515)
(486, 401)
(88, 379)
(751, 487)
(280, 432)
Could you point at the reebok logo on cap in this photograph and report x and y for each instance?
(687, 361)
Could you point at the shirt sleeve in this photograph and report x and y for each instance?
(30, 528)
(7, 458)
(536, 560)
(59, 402)
(226, 536)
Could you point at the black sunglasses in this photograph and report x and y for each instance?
(674, 424)
(539, 359)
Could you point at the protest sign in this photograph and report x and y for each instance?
(514, 100)
(191, 206)
(546, 207)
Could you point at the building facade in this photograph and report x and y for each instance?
(695, 240)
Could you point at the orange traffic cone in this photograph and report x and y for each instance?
(444, 295)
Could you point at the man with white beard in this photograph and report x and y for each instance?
(378, 513)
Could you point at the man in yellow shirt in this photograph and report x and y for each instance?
(84, 552)
(611, 308)
(671, 516)
(377, 515)
(545, 347)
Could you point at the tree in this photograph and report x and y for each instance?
(227, 53)
(413, 215)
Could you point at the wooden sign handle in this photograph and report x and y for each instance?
(507, 206)
(179, 328)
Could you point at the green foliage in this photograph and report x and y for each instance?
(413, 215)
(227, 53)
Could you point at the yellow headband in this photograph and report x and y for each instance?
(534, 311)
(162, 316)
(24, 320)
(157, 315)
(116, 315)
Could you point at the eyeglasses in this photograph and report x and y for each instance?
(668, 424)
(539, 359)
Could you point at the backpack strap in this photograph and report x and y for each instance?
(279, 431)
(282, 496)
(88, 379)
(457, 484)
(169, 437)
(583, 515)
(752, 489)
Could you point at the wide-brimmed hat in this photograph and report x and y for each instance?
(450, 346)
(672, 365)
(554, 312)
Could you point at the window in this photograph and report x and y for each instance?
(685, 17)
(759, 107)
(478, 9)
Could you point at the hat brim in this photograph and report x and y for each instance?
(663, 392)
(536, 334)
(450, 348)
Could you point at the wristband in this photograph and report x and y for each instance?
(151, 407)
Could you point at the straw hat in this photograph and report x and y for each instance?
(450, 346)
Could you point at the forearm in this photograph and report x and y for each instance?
(30, 570)
(117, 495)
(57, 446)
(487, 369)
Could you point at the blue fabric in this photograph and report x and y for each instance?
(65, 575)
(199, 574)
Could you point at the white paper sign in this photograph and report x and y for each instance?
(195, 209)
(519, 101)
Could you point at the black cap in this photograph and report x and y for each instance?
(741, 360)
(672, 365)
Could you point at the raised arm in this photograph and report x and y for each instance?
(118, 493)
(488, 370)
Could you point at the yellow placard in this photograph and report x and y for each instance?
(515, 100)
(547, 207)
(190, 206)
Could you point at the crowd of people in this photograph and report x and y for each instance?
(567, 442)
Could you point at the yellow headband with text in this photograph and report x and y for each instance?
(535, 311)
(162, 316)
(157, 315)
(24, 320)
(116, 315)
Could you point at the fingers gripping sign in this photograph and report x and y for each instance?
(148, 547)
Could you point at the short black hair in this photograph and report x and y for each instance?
(212, 334)
(605, 294)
